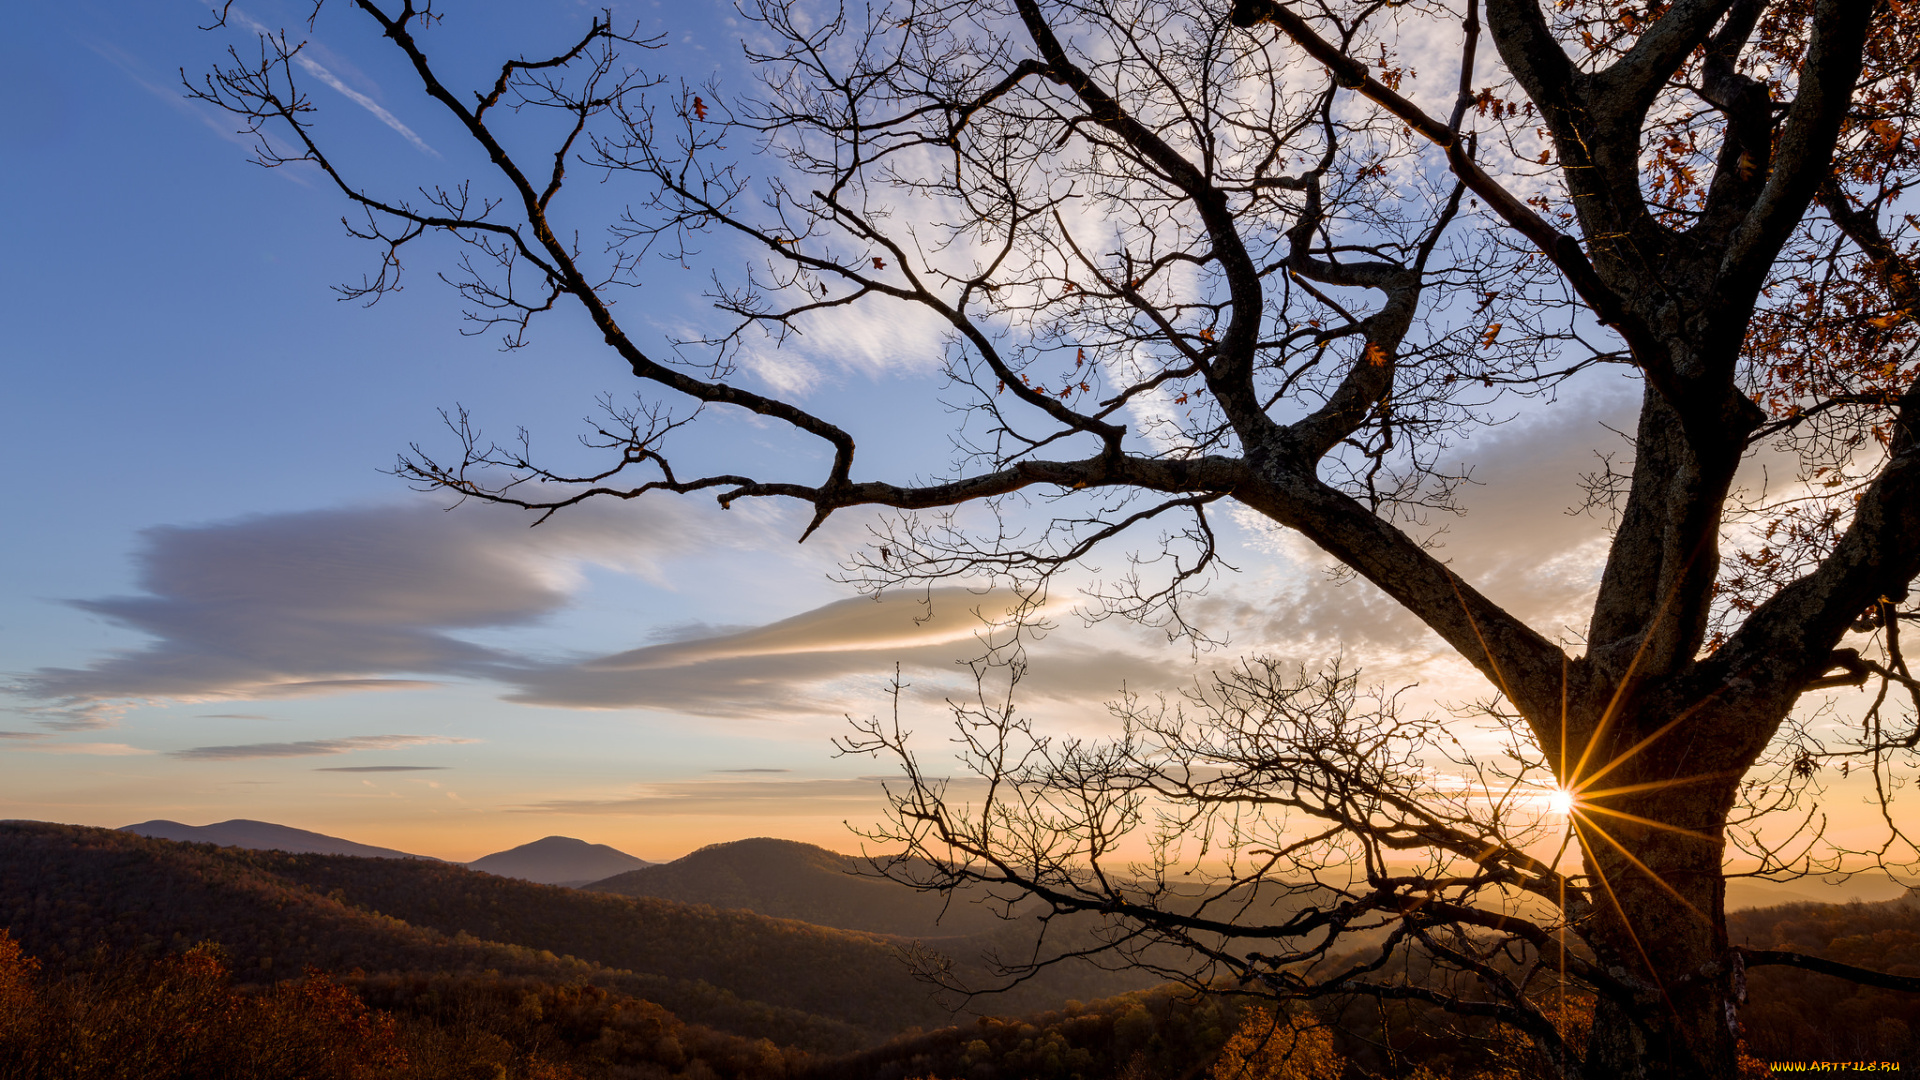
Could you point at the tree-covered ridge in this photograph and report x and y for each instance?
(67, 890)
(1795, 1014)
(1167, 1032)
(109, 932)
(182, 1016)
(791, 880)
(858, 978)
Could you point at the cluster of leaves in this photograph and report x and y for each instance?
(1840, 327)
(1833, 346)
(1268, 1047)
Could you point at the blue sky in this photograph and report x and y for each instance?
(222, 607)
(221, 598)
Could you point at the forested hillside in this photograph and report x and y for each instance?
(791, 880)
(453, 973)
(1803, 1015)
(66, 890)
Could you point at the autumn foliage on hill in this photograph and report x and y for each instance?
(181, 1016)
(1169, 1032)
(1793, 1014)
(65, 890)
(124, 956)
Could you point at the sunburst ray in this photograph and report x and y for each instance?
(1627, 924)
(1643, 867)
(1656, 785)
(1628, 754)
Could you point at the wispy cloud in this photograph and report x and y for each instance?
(320, 71)
(172, 94)
(323, 687)
(852, 796)
(310, 747)
(91, 749)
(830, 661)
(384, 768)
(386, 598)
(735, 798)
(337, 601)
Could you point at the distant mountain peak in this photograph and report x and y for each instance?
(263, 836)
(559, 860)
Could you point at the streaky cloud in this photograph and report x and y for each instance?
(741, 798)
(335, 601)
(385, 598)
(320, 71)
(311, 747)
(384, 768)
(90, 749)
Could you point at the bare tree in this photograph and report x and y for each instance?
(1191, 256)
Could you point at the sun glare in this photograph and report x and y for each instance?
(1560, 802)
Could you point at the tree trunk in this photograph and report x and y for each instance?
(1659, 899)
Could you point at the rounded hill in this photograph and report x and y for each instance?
(791, 880)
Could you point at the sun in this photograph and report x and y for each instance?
(1560, 802)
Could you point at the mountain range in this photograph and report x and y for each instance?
(842, 891)
(66, 890)
(555, 860)
(433, 940)
(262, 836)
